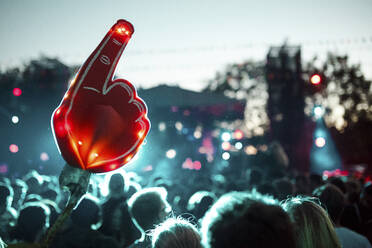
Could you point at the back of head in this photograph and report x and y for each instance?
(338, 183)
(116, 184)
(6, 196)
(254, 177)
(316, 181)
(333, 199)
(366, 197)
(32, 219)
(33, 181)
(87, 212)
(284, 188)
(176, 233)
(200, 202)
(312, 226)
(240, 220)
(149, 207)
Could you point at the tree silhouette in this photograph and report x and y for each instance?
(344, 92)
(245, 81)
(347, 96)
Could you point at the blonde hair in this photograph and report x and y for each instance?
(313, 227)
(176, 233)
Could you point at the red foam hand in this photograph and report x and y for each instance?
(101, 123)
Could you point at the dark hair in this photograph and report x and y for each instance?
(116, 183)
(338, 183)
(87, 213)
(6, 195)
(240, 219)
(200, 202)
(284, 188)
(145, 206)
(333, 199)
(32, 219)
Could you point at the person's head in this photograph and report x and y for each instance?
(33, 198)
(254, 177)
(87, 212)
(6, 197)
(51, 193)
(338, 183)
(176, 233)
(33, 181)
(315, 181)
(353, 190)
(267, 189)
(333, 199)
(33, 219)
(313, 227)
(116, 184)
(20, 189)
(200, 202)
(302, 184)
(241, 219)
(149, 207)
(366, 197)
(284, 188)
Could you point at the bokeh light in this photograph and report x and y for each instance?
(318, 111)
(17, 92)
(15, 119)
(226, 146)
(178, 126)
(250, 150)
(320, 142)
(3, 168)
(315, 79)
(226, 156)
(238, 134)
(171, 153)
(44, 156)
(161, 126)
(226, 136)
(238, 145)
(13, 148)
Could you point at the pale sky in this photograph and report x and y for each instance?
(184, 42)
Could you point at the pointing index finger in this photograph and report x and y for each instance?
(99, 68)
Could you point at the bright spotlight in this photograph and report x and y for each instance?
(171, 153)
(226, 156)
(320, 142)
(15, 119)
(226, 136)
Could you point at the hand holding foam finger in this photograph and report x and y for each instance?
(100, 124)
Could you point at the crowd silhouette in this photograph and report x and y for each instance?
(254, 209)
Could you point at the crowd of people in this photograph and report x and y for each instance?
(254, 209)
